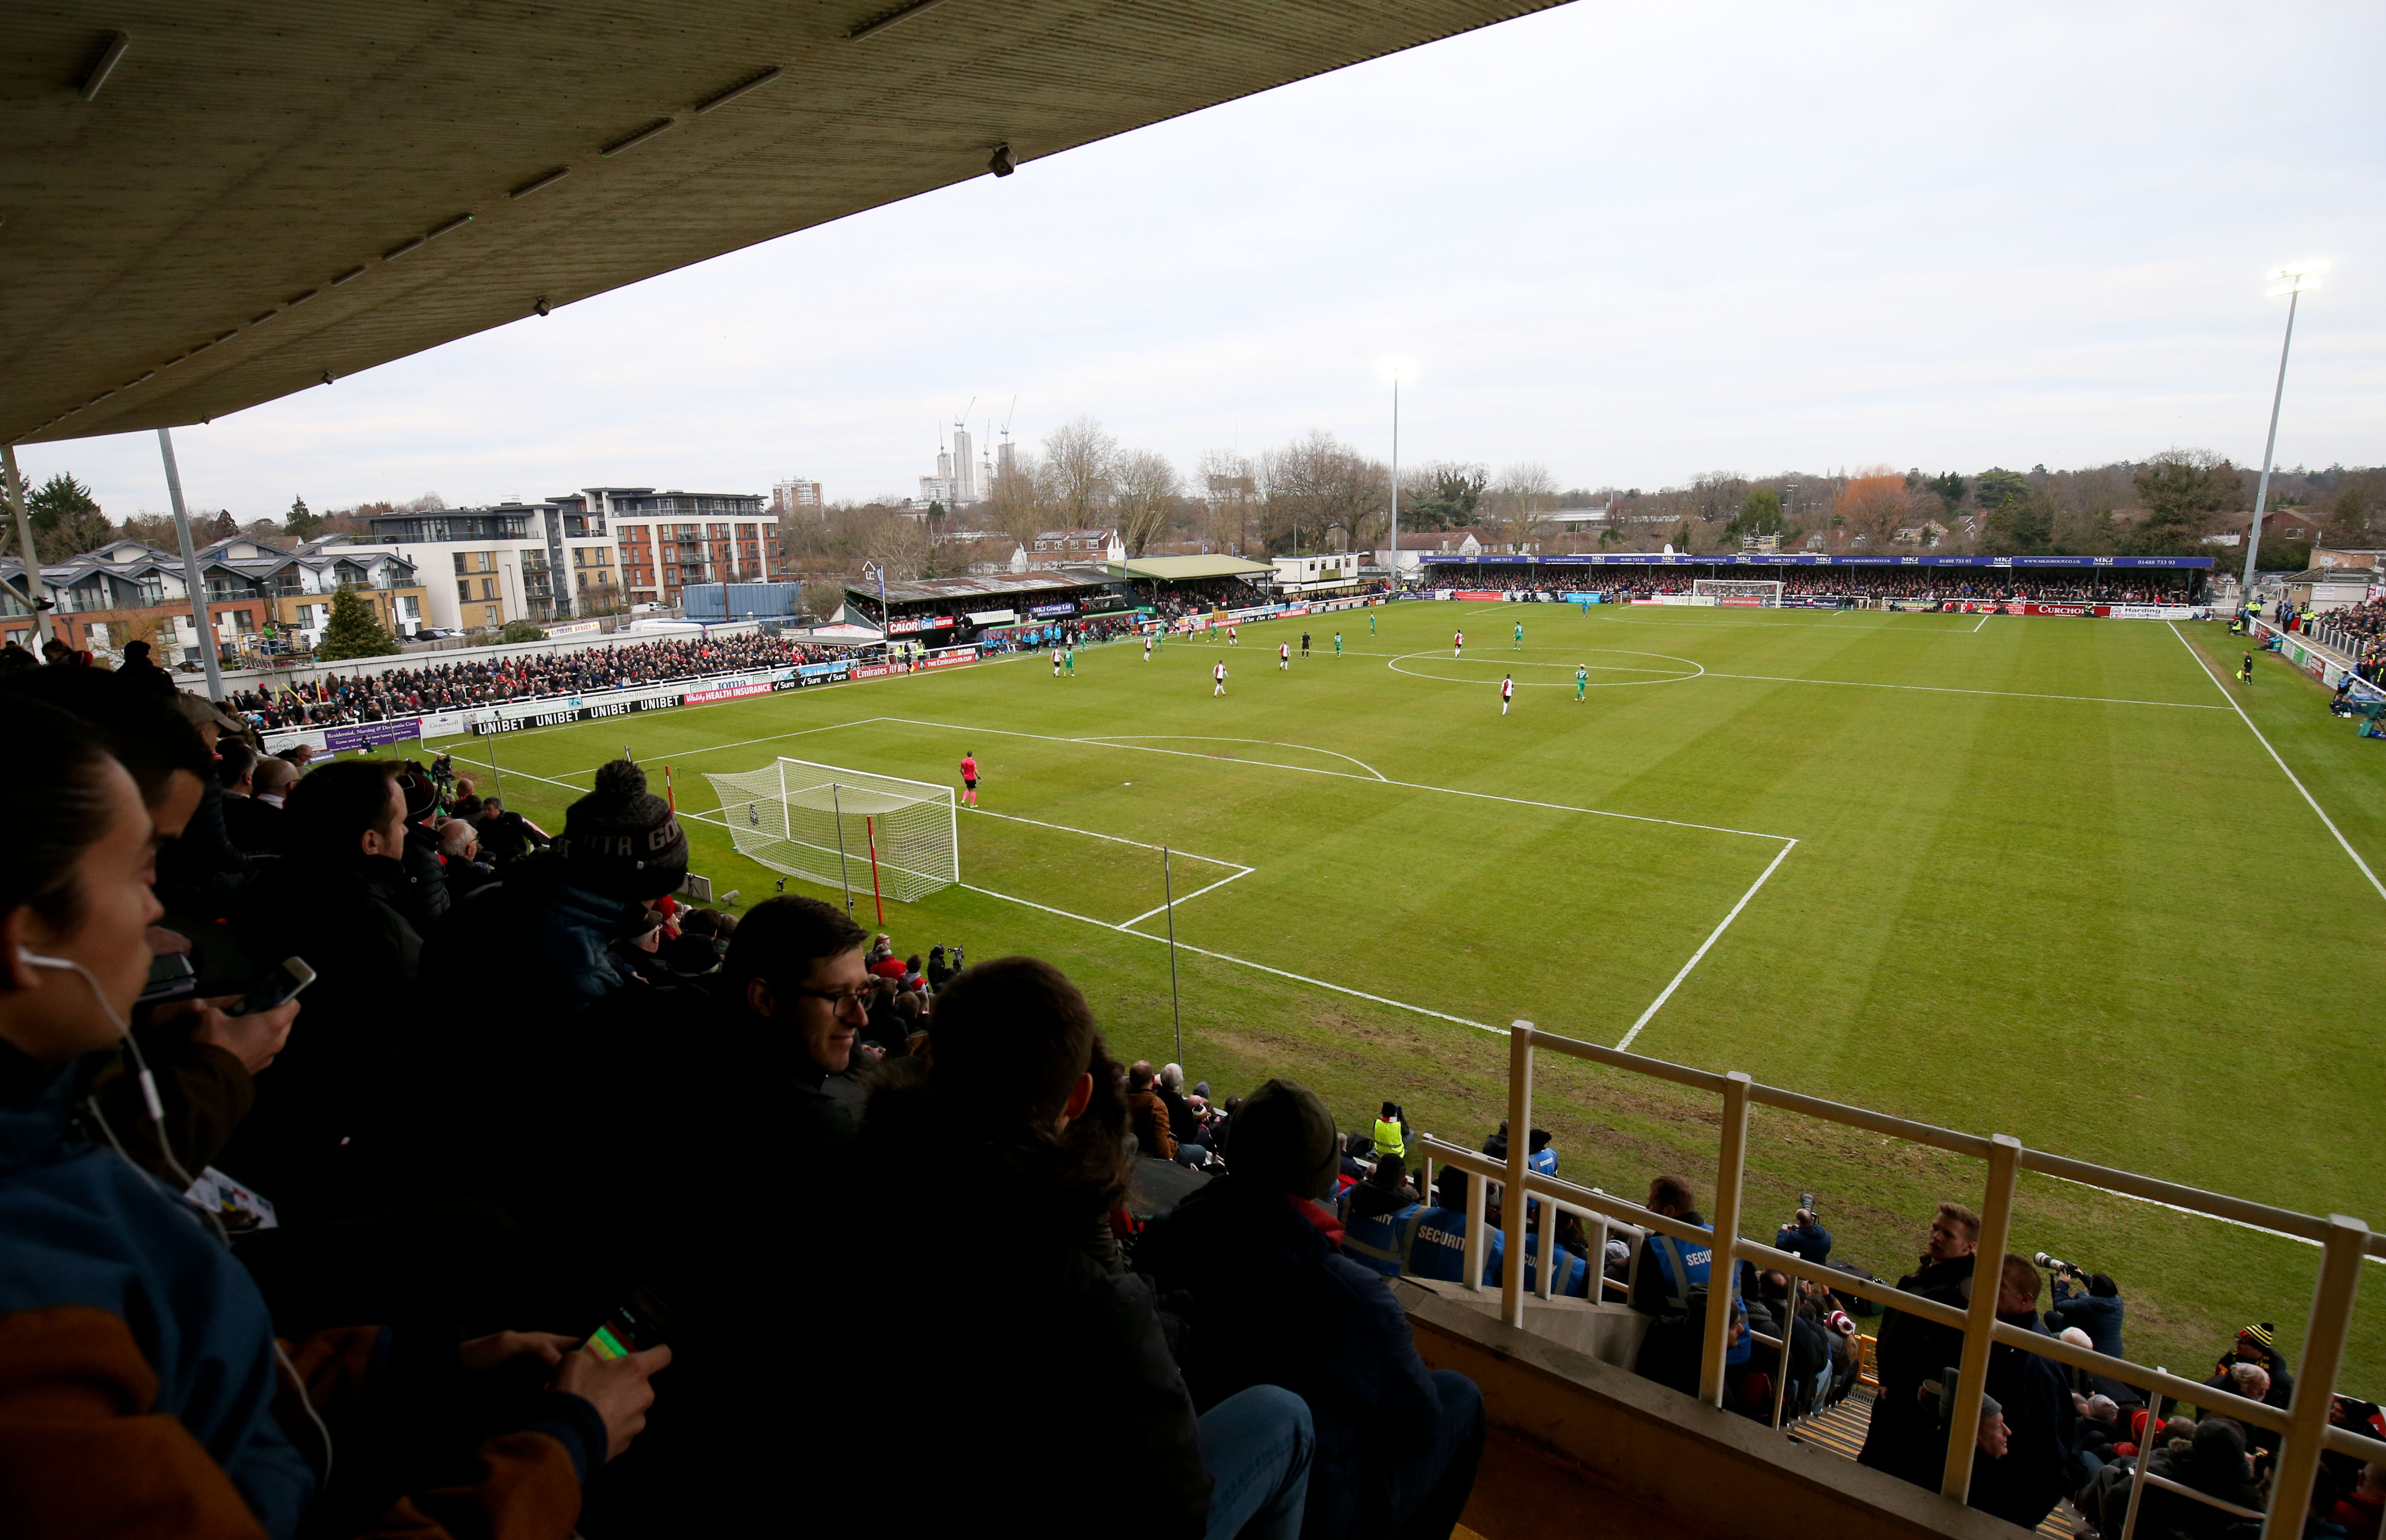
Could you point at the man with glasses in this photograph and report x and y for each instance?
(734, 1212)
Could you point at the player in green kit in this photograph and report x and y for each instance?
(1338, 644)
(1371, 622)
(1581, 680)
(1069, 661)
(1520, 638)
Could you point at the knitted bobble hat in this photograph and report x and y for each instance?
(621, 839)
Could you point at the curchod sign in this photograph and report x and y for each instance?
(2085, 611)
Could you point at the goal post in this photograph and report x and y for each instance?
(832, 825)
(1763, 594)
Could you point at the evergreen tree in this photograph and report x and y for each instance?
(352, 632)
(302, 523)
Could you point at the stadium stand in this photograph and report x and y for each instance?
(586, 1161)
(369, 697)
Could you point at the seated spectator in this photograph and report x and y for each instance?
(1669, 1270)
(465, 803)
(426, 884)
(1804, 1235)
(254, 827)
(2211, 1459)
(914, 980)
(1391, 1131)
(1021, 1093)
(556, 916)
(1358, 1155)
(1905, 1437)
(2258, 1344)
(142, 1362)
(2359, 1510)
(1147, 1114)
(1380, 1219)
(139, 669)
(1270, 1301)
(461, 867)
(1183, 1126)
(270, 781)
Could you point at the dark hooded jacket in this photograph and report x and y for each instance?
(346, 1069)
(2024, 1486)
(1268, 1300)
(535, 937)
(1073, 1418)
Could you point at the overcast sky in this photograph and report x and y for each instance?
(1633, 242)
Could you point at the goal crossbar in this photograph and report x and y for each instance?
(843, 828)
(1764, 593)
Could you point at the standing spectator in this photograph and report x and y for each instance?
(1379, 1218)
(2097, 1312)
(338, 900)
(1021, 1092)
(2024, 1486)
(1905, 1437)
(254, 827)
(506, 834)
(271, 781)
(1270, 1301)
(1183, 1126)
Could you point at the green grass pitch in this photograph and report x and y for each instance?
(2033, 876)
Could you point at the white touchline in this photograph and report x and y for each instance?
(1984, 620)
(2196, 1213)
(1953, 690)
(2206, 671)
(1713, 937)
(1129, 924)
(523, 773)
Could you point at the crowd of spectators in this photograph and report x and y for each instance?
(1175, 601)
(1930, 584)
(552, 1206)
(334, 698)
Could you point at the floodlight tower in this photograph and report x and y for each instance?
(2294, 283)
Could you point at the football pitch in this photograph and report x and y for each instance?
(2060, 879)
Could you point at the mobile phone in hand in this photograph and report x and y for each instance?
(636, 1325)
(276, 988)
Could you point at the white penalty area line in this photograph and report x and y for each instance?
(1126, 739)
(2206, 670)
(1345, 775)
(1130, 924)
(1115, 839)
(1242, 962)
(1712, 936)
(1953, 689)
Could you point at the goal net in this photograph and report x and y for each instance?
(844, 828)
(1765, 594)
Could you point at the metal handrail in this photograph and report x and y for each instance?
(2302, 1424)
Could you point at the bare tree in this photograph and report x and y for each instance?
(1876, 504)
(1015, 503)
(1318, 484)
(1229, 487)
(1081, 472)
(1520, 501)
(1147, 493)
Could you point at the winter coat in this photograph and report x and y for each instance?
(1147, 1117)
(1809, 1241)
(2167, 1516)
(426, 879)
(254, 827)
(346, 1068)
(1269, 1301)
(2100, 1318)
(537, 938)
(137, 1366)
(2039, 1423)
(1052, 1356)
(1905, 1437)
(199, 869)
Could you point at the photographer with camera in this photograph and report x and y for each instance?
(1805, 1234)
(2097, 1312)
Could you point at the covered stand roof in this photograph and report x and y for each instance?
(210, 206)
(1186, 569)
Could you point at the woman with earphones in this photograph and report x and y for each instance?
(139, 1369)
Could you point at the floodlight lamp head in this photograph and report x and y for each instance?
(1003, 161)
(2299, 278)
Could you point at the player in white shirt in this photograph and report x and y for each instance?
(1507, 693)
(1146, 648)
(1457, 643)
(1219, 675)
(1284, 654)
(1056, 662)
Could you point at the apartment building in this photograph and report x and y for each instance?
(667, 540)
(127, 591)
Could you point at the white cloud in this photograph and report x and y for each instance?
(1632, 243)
